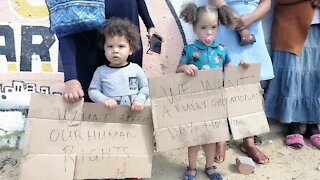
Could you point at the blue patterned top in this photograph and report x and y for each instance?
(204, 56)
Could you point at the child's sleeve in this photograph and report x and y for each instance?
(95, 91)
(143, 94)
(184, 56)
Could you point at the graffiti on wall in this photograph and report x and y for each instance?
(26, 42)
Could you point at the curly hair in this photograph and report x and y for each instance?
(123, 27)
(191, 13)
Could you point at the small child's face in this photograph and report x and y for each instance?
(206, 27)
(117, 50)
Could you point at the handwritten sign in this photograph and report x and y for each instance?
(89, 140)
(190, 111)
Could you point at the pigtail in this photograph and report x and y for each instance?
(189, 13)
(227, 16)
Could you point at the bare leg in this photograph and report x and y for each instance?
(220, 152)
(209, 150)
(192, 158)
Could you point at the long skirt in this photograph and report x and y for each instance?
(294, 94)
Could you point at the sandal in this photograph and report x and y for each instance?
(213, 176)
(253, 152)
(220, 152)
(294, 141)
(315, 140)
(188, 175)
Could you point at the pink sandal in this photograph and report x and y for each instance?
(295, 141)
(315, 140)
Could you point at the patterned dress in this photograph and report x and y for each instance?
(205, 57)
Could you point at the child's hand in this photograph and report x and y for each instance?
(245, 64)
(73, 91)
(111, 103)
(137, 106)
(189, 69)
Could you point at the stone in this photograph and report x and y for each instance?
(245, 165)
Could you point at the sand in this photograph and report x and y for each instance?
(285, 163)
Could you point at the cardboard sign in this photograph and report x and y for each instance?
(98, 143)
(237, 76)
(245, 102)
(190, 111)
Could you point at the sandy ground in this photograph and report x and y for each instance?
(285, 163)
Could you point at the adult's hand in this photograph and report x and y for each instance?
(73, 91)
(152, 31)
(244, 21)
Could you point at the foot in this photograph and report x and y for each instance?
(212, 173)
(294, 141)
(220, 152)
(190, 174)
(246, 37)
(252, 151)
(315, 140)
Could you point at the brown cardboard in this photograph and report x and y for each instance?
(249, 125)
(186, 108)
(122, 114)
(192, 134)
(237, 76)
(245, 102)
(49, 167)
(179, 84)
(103, 144)
(182, 107)
(54, 107)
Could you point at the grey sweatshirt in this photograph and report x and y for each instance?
(123, 84)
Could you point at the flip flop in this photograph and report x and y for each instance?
(295, 141)
(220, 152)
(315, 140)
(255, 154)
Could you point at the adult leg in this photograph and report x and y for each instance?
(89, 57)
(220, 152)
